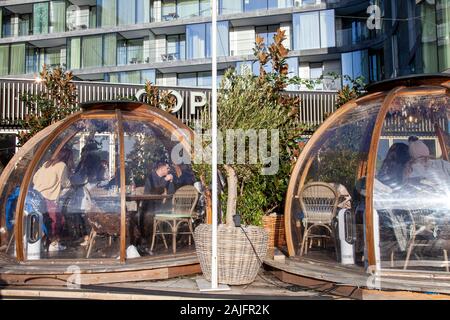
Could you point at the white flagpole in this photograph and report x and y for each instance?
(214, 266)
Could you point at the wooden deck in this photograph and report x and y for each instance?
(313, 272)
(58, 273)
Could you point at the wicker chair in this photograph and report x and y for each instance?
(419, 223)
(183, 205)
(318, 201)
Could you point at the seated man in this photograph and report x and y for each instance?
(160, 180)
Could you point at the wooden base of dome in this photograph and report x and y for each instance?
(140, 269)
(354, 282)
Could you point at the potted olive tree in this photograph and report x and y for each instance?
(248, 102)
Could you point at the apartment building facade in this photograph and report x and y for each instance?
(168, 41)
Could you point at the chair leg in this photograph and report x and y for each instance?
(191, 230)
(408, 255)
(110, 241)
(446, 260)
(9, 243)
(305, 236)
(392, 258)
(91, 243)
(174, 237)
(154, 234)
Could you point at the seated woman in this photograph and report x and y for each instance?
(391, 171)
(49, 181)
(422, 168)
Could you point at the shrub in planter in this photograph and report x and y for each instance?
(248, 102)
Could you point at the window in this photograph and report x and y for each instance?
(4, 60)
(205, 8)
(188, 8)
(126, 12)
(91, 52)
(40, 18)
(110, 50)
(176, 47)
(314, 30)
(187, 79)
(106, 13)
(52, 57)
(57, 16)
(169, 10)
(74, 53)
(315, 72)
(355, 64)
(130, 51)
(32, 60)
(198, 40)
(267, 33)
(230, 6)
(252, 5)
(17, 65)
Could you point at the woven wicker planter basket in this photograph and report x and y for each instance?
(237, 262)
(274, 224)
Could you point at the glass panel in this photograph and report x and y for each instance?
(205, 8)
(204, 79)
(222, 39)
(17, 59)
(74, 56)
(52, 57)
(9, 196)
(187, 79)
(107, 9)
(4, 60)
(148, 75)
(443, 31)
(280, 4)
(142, 11)
(57, 16)
(74, 194)
(133, 77)
(306, 31)
(196, 41)
(92, 51)
(329, 197)
(251, 5)
(231, 6)
(355, 64)
(160, 192)
(188, 8)
(109, 50)
(412, 185)
(169, 10)
(126, 12)
(121, 52)
(32, 60)
(135, 50)
(40, 18)
(24, 24)
(327, 29)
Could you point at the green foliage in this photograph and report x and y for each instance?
(248, 102)
(354, 90)
(51, 105)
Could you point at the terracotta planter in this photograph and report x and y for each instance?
(237, 261)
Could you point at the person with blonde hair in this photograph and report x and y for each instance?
(49, 181)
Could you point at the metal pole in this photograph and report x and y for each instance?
(214, 266)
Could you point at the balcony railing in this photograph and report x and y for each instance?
(315, 105)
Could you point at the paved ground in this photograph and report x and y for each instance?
(265, 286)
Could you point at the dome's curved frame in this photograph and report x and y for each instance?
(117, 110)
(388, 90)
